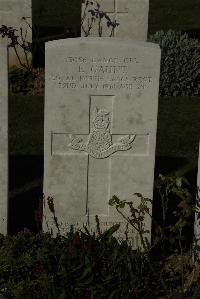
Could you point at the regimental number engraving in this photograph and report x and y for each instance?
(99, 144)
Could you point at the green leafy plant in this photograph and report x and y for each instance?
(176, 210)
(23, 78)
(20, 80)
(76, 266)
(180, 63)
(84, 265)
(137, 215)
(175, 199)
(176, 216)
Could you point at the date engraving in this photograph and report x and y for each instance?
(105, 73)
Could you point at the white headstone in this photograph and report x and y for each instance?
(11, 15)
(101, 100)
(3, 139)
(132, 16)
(197, 214)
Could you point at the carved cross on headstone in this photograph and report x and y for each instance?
(132, 16)
(118, 10)
(99, 145)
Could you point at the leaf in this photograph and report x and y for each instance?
(122, 204)
(87, 270)
(87, 231)
(92, 12)
(114, 200)
(110, 231)
(113, 294)
(179, 182)
(63, 295)
(138, 195)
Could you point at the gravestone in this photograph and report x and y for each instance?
(101, 98)
(197, 215)
(11, 15)
(132, 16)
(3, 138)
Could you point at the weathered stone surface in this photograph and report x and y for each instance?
(11, 14)
(3, 139)
(101, 98)
(197, 214)
(132, 16)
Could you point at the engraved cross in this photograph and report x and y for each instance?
(99, 141)
(117, 10)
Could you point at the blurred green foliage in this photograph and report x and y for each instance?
(180, 63)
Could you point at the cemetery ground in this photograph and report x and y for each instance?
(177, 142)
(163, 273)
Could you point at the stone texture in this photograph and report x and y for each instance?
(101, 100)
(3, 139)
(197, 215)
(11, 14)
(132, 17)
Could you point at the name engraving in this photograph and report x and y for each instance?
(105, 73)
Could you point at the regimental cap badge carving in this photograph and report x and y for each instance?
(99, 144)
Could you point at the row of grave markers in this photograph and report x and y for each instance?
(101, 104)
(131, 15)
(12, 14)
